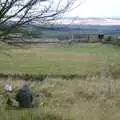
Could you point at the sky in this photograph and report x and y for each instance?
(97, 8)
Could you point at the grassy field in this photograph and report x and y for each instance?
(59, 59)
(90, 98)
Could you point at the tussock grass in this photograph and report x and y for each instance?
(88, 98)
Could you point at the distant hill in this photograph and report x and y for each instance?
(88, 21)
(64, 28)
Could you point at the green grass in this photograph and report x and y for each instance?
(91, 98)
(59, 59)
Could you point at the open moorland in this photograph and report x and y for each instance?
(93, 97)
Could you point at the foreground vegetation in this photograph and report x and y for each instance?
(94, 97)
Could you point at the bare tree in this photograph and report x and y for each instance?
(26, 11)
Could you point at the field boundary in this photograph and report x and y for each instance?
(42, 77)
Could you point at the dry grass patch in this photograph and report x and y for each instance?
(93, 98)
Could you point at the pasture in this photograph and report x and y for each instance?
(59, 59)
(91, 98)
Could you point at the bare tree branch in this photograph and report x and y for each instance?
(25, 11)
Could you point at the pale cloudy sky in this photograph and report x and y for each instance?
(97, 8)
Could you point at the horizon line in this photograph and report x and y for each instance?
(90, 17)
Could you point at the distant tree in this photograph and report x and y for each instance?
(15, 13)
(108, 39)
(100, 37)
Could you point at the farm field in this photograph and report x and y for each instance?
(59, 58)
(91, 98)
